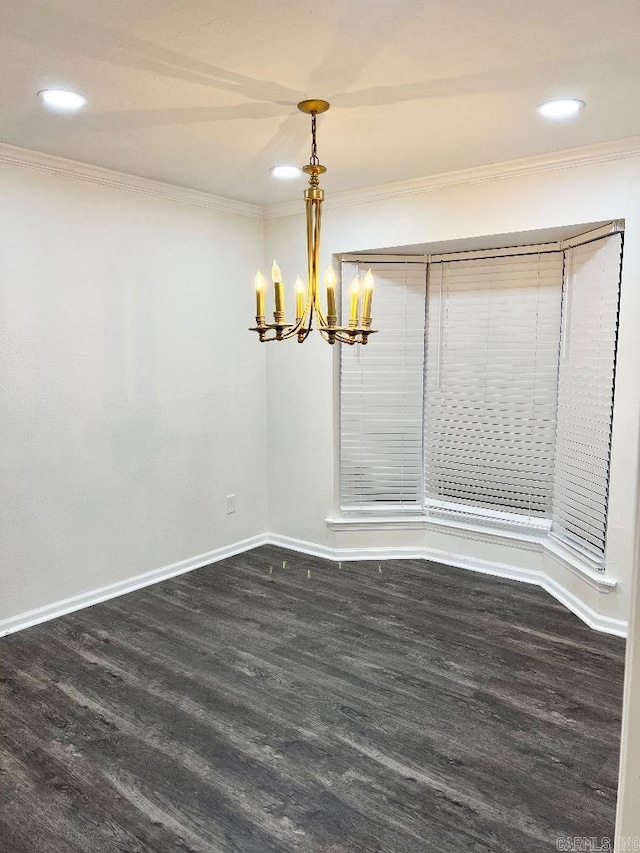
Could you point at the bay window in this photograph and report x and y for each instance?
(488, 394)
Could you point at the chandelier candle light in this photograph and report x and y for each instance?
(307, 296)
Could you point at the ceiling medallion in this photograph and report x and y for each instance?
(307, 296)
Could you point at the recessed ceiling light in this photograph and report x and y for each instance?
(286, 172)
(62, 99)
(561, 108)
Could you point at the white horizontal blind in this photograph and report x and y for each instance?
(381, 394)
(493, 333)
(585, 398)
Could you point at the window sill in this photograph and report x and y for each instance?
(526, 537)
(520, 534)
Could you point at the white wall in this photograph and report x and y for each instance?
(301, 380)
(133, 397)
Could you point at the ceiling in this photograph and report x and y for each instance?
(203, 94)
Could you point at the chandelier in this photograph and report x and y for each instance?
(307, 298)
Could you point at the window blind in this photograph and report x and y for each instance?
(493, 335)
(585, 397)
(381, 394)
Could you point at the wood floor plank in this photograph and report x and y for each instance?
(406, 708)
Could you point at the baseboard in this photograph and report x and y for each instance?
(95, 596)
(597, 621)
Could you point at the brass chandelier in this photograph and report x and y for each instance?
(307, 296)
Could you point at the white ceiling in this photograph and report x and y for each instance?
(203, 94)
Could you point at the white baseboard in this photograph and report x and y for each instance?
(605, 624)
(595, 620)
(95, 596)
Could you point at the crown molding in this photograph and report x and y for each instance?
(620, 149)
(15, 156)
(603, 152)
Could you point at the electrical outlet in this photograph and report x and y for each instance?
(231, 504)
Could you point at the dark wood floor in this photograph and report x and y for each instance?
(412, 710)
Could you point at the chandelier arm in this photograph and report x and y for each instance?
(302, 337)
(316, 244)
(315, 250)
(310, 265)
(316, 236)
(322, 320)
(309, 319)
(306, 328)
(358, 337)
(307, 315)
(278, 329)
(296, 328)
(310, 301)
(290, 334)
